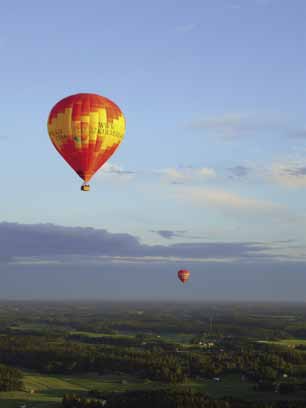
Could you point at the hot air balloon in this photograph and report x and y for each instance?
(86, 129)
(183, 275)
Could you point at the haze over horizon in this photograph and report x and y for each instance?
(210, 176)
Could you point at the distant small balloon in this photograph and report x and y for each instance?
(183, 275)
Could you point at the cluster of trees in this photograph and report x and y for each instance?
(168, 398)
(74, 401)
(282, 387)
(10, 379)
(255, 361)
(258, 362)
(139, 340)
(256, 321)
(148, 399)
(63, 357)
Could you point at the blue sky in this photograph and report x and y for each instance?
(214, 95)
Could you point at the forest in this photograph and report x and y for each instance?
(128, 354)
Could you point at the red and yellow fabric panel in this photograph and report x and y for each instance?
(183, 275)
(86, 129)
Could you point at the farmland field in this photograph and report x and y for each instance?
(63, 349)
(285, 342)
(49, 390)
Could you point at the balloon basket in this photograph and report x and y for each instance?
(85, 187)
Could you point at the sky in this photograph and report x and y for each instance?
(210, 176)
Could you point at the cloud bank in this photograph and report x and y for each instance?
(46, 261)
(48, 243)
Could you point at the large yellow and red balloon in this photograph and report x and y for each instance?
(86, 129)
(183, 275)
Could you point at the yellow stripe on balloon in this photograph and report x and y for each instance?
(93, 126)
(76, 134)
(67, 122)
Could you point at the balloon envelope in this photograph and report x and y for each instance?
(183, 275)
(86, 129)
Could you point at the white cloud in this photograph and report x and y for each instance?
(233, 125)
(223, 199)
(115, 172)
(176, 175)
(239, 171)
(206, 172)
(290, 174)
(227, 125)
(160, 259)
(184, 174)
(173, 175)
(34, 261)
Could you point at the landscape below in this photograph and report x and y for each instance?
(94, 354)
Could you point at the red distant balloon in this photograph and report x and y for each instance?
(183, 275)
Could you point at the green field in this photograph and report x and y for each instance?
(49, 390)
(231, 385)
(97, 335)
(285, 342)
(182, 338)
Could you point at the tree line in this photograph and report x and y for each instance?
(168, 398)
(257, 362)
(10, 378)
